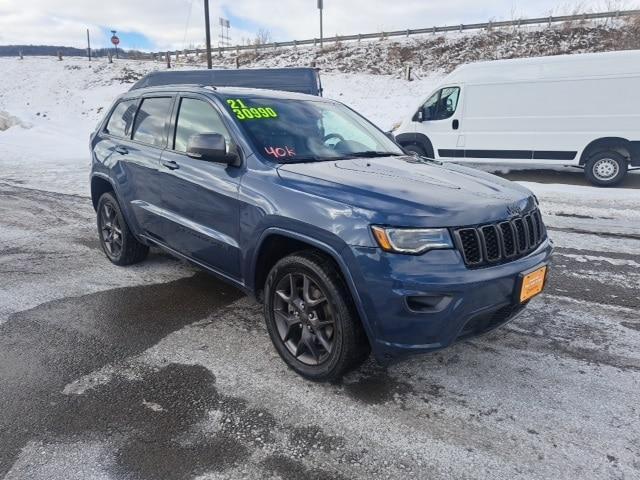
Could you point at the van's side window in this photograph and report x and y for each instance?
(121, 119)
(151, 121)
(442, 104)
(448, 102)
(196, 117)
(430, 107)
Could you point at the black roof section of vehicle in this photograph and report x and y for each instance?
(299, 80)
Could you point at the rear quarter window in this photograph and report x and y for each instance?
(121, 119)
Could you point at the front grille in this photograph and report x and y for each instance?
(500, 242)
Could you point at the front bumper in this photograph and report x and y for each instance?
(416, 304)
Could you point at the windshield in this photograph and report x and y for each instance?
(289, 131)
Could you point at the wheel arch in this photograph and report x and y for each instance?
(618, 144)
(262, 263)
(100, 184)
(421, 139)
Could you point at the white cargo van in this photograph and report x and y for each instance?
(576, 110)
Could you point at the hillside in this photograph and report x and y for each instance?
(442, 53)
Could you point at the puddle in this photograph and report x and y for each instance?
(154, 443)
(376, 386)
(288, 468)
(49, 346)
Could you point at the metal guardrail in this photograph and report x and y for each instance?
(418, 31)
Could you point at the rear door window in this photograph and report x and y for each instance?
(121, 119)
(151, 121)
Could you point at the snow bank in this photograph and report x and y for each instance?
(7, 121)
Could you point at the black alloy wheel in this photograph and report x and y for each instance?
(118, 242)
(304, 318)
(111, 230)
(311, 318)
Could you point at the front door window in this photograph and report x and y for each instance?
(441, 105)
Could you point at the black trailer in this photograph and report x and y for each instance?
(299, 80)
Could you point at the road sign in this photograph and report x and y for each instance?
(115, 40)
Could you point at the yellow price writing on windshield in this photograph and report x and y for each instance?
(242, 112)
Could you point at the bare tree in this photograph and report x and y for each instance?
(262, 37)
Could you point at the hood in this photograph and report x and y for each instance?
(407, 191)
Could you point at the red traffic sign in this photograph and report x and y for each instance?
(115, 40)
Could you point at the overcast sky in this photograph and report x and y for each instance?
(176, 24)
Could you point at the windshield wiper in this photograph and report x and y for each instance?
(370, 154)
(303, 159)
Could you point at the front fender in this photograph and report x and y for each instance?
(340, 252)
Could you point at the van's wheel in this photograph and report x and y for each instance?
(118, 243)
(413, 148)
(311, 318)
(606, 168)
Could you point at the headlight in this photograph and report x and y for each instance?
(412, 240)
(395, 126)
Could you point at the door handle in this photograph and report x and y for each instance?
(170, 164)
(455, 124)
(122, 150)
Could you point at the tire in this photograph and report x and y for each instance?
(414, 148)
(293, 329)
(118, 243)
(606, 168)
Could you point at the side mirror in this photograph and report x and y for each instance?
(419, 116)
(212, 147)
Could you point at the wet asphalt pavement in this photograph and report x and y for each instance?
(160, 371)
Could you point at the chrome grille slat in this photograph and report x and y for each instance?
(500, 242)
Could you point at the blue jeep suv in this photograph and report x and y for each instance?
(351, 244)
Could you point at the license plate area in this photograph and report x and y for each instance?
(531, 284)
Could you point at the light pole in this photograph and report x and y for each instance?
(320, 7)
(208, 33)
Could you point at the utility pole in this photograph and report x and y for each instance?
(88, 45)
(320, 7)
(208, 32)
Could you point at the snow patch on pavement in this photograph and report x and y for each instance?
(593, 258)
